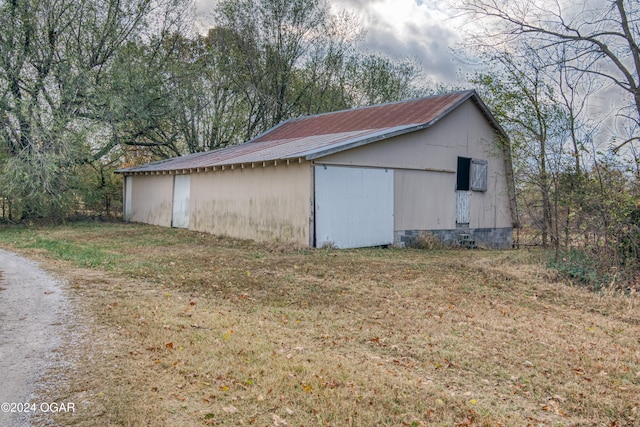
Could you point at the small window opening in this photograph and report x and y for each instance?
(472, 174)
(464, 170)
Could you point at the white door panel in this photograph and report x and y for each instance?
(128, 188)
(353, 206)
(463, 207)
(181, 191)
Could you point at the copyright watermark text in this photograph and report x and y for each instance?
(24, 407)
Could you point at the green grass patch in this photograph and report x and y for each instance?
(82, 254)
(580, 268)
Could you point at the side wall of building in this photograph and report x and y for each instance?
(425, 165)
(151, 199)
(270, 203)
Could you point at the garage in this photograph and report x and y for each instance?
(369, 176)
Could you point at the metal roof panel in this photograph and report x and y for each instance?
(319, 135)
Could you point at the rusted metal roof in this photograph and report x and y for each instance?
(311, 137)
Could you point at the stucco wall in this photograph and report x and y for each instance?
(151, 199)
(426, 200)
(262, 203)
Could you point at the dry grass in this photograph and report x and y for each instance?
(184, 329)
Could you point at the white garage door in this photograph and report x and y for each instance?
(353, 206)
(181, 191)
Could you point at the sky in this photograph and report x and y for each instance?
(428, 31)
(424, 30)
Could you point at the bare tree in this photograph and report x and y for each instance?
(523, 99)
(574, 50)
(597, 37)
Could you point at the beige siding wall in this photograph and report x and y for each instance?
(416, 208)
(151, 199)
(426, 200)
(262, 203)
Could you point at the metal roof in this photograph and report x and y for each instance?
(311, 137)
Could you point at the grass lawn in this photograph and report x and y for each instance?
(177, 328)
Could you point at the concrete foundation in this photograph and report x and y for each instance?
(489, 238)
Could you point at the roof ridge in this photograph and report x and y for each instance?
(365, 107)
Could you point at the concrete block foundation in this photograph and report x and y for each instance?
(489, 238)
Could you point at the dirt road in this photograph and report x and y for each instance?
(32, 310)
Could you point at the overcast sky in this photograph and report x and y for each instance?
(421, 29)
(424, 30)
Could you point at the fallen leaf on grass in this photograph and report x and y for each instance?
(230, 409)
(467, 422)
(169, 345)
(553, 406)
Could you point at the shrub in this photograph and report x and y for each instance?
(426, 240)
(582, 268)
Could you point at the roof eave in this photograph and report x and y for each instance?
(487, 113)
(217, 167)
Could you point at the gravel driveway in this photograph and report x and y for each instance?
(32, 309)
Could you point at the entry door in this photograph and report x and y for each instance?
(181, 191)
(128, 188)
(353, 206)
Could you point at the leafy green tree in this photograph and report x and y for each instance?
(377, 79)
(55, 91)
(293, 57)
(86, 84)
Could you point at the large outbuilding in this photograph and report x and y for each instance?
(370, 176)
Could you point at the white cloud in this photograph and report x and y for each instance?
(423, 30)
